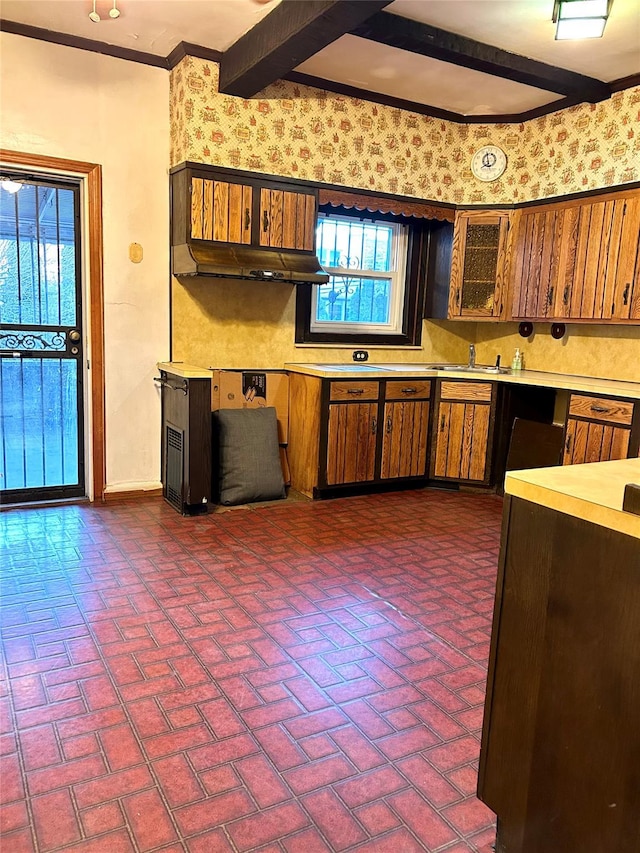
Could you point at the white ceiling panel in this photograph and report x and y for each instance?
(525, 27)
(400, 74)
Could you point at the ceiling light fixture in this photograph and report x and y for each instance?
(580, 19)
(10, 186)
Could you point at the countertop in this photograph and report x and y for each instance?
(593, 492)
(564, 381)
(186, 371)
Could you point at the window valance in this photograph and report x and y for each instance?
(378, 204)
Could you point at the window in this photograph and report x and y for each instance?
(366, 262)
(374, 288)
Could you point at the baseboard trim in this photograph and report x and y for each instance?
(132, 494)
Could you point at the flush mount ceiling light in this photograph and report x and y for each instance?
(580, 19)
(10, 186)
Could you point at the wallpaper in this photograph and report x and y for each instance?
(307, 133)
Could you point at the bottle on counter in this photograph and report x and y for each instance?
(516, 364)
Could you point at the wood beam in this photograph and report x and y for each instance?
(417, 37)
(294, 31)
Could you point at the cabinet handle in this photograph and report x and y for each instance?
(389, 425)
(409, 391)
(565, 295)
(442, 424)
(265, 220)
(247, 219)
(567, 444)
(458, 296)
(625, 295)
(600, 409)
(374, 426)
(355, 391)
(550, 297)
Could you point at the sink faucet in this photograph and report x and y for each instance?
(472, 355)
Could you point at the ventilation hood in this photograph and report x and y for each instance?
(222, 260)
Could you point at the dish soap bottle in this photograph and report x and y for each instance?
(516, 364)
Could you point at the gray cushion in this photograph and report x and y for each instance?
(249, 458)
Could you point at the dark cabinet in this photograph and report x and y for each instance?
(186, 441)
(559, 756)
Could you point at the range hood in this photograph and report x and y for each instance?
(222, 260)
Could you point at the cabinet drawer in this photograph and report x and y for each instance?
(354, 390)
(602, 409)
(408, 389)
(477, 392)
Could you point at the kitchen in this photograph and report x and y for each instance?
(100, 109)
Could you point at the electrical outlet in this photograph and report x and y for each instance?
(360, 355)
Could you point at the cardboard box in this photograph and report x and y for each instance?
(253, 389)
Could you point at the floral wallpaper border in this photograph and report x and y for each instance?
(308, 133)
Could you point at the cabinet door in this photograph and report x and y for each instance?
(533, 258)
(404, 445)
(351, 443)
(622, 291)
(287, 219)
(598, 429)
(462, 431)
(590, 441)
(478, 264)
(220, 210)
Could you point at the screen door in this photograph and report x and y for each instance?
(41, 341)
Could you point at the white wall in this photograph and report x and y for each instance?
(61, 102)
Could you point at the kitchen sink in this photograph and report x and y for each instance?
(465, 368)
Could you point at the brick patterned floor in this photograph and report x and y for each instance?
(299, 677)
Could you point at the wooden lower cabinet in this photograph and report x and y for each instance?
(598, 429)
(463, 431)
(350, 433)
(405, 429)
(351, 443)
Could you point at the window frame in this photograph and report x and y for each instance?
(417, 238)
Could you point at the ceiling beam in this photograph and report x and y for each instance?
(294, 31)
(417, 37)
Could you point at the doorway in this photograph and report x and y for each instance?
(41, 340)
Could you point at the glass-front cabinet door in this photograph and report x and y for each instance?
(478, 265)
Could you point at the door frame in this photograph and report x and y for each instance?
(94, 295)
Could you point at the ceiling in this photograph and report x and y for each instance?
(460, 59)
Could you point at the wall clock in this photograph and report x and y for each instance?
(488, 163)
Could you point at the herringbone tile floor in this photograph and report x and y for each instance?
(299, 677)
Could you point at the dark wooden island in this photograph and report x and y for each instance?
(560, 760)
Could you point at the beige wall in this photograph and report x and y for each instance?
(68, 103)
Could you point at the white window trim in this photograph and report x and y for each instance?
(397, 277)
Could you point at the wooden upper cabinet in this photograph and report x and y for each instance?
(221, 210)
(287, 219)
(218, 205)
(479, 263)
(578, 260)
